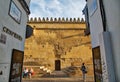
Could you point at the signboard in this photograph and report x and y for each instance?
(14, 12)
(13, 34)
(97, 64)
(16, 66)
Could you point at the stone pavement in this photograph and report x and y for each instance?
(57, 76)
(54, 80)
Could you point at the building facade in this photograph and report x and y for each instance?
(58, 44)
(103, 18)
(14, 16)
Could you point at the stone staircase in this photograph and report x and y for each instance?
(56, 74)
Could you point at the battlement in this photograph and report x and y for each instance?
(56, 20)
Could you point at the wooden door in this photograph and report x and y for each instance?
(57, 65)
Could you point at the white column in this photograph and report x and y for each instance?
(108, 73)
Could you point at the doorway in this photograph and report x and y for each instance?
(57, 65)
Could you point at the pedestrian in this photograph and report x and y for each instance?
(84, 71)
(25, 73)
(32, 71)
(29, 73)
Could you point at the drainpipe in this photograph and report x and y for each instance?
(102, 14)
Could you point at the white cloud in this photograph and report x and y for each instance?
(57, 8)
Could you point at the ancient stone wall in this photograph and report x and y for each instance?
(58, 39)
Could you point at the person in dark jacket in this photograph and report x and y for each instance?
(84, 71)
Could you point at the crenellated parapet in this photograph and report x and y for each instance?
(56, 20)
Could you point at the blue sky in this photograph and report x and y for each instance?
(57, 8)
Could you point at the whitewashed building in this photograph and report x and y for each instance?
(103, 20)
(13, 20)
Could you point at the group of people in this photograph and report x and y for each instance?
(28, 72)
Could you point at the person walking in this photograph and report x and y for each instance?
(84, 71)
